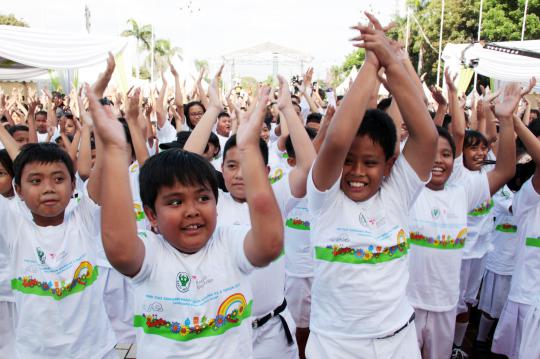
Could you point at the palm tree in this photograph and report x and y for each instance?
(143, 35)
(163, 51)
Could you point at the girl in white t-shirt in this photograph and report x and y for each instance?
(192, 296)
(526, 276)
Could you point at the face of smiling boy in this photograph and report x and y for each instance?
(364, 169)
(46, 188)
(185, 216)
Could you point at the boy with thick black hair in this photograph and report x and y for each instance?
(359, 200)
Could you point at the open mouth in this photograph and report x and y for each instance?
(356, 184)
(437, 170)
(192, 228)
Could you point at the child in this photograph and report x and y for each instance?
(525, 279)
(190, 282)
(52, 253)
(359, 201)
(438, 227)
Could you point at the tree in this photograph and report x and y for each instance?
(143, 36)
(11, 20)
(501, 22)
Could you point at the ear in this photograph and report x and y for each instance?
(267, 170)
(388, 165)
(151, 215)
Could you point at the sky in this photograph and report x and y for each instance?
(207, 29)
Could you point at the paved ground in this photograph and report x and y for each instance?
(126, 351)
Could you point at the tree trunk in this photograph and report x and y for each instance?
(420, 59)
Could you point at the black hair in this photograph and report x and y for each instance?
(339, 98)
(314, 117)
(380, 128)
(474, 138)
(6, 162)
(128, 134)
(443, 132)
(186, 112)
(223, 114)
(231, 142)
(384, 103)
(175, 166)
(41, 153)
(214, 140)
(42, 113)
(289, 145)
(534, 127)
(297, 105)
(447, 120)
(17, 128)
(69, 137)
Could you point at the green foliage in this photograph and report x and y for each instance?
(355, 58)
(501, 21)
(249, 84)
(11, 20)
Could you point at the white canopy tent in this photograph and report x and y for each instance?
(502, 61)
(27, 53)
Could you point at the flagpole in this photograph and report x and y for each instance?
(408, 31)
(152, 57)
(440, 44)
(524, 20)
(478, 39)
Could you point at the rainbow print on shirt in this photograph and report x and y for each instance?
(297, 223)
(139, 212)
(230, 314)
(506, 228)
(532, 242)
(483, 209)
(278, 174)
(84, 276)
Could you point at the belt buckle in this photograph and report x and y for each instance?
(255, 324)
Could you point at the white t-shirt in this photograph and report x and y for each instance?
(140, 216)
(361, 272)
(167, 133)
(501, 259)
(526, 277)
(268, 283)
(194, 305)
(56, 284)
(480, 219)
(438, 233)
(277, 161)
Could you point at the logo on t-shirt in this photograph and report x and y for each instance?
(435, 212)
(183, 281)
(41, 255)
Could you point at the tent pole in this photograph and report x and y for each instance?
(152, 57)
(408, 30)
(478, 38)
(524, 20)
(440, 44)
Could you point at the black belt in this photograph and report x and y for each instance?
(259, 322)
(411, 319)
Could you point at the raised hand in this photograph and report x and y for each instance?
(213, 91)
(450, 82)
(132, 111)
(249, 129)
(529, 88)
(436, 93)
(103, 79)
(511, 96)
(106, 126)
(173, 70)
(284, 97)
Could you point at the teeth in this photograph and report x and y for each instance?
(357, 184)
(437, 169)
(193, 226)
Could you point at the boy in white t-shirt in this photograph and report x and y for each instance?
(526, 277)
(359, 201)
(53, 254)
(192, 296)
(438, 226)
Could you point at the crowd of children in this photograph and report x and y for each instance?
(274, 226)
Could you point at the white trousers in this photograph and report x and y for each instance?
(507, 337)
(269, 341)
(401, 346)
(530, 345)
(7, 329)
(470, 279)
(435, 332)
(298, 295)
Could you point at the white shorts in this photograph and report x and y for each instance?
(8, 323)
(118, 298)
(403, 345)
(530, 345)
(298, 295)
(435, 332)
(507, 337)
(269, 341)
(494, 293)
(470, 279)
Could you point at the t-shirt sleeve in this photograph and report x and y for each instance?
(317, 200)
(88, 214)
(286, 201)
(152, 250)
(477, 189)
(458, 170)
(403, 185)
(525, 199)
(167, 133)
(234, 237)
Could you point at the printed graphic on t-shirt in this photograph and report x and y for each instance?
(276, 175)
(84, 276)
(371, 255)
(297, 223)
(232, 311)
(506, 228)
(444, 241)
(139, 212)
(532, 242)
(483, 209)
